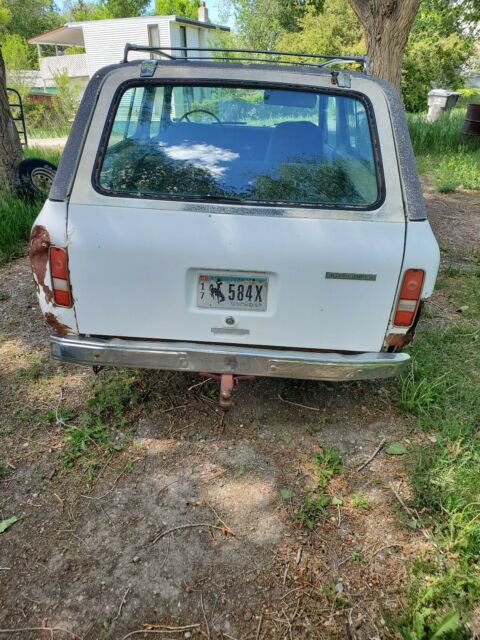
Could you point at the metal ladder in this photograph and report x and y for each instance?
(16, 109)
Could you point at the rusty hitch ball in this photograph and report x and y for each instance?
(226, 388)
(227, 383)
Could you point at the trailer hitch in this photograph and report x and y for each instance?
(228, 381)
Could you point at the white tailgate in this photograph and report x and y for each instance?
(134, 273)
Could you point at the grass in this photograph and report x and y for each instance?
(113, 398)
(17, 215)
(443, 391)
(449, 159)
(323, 466)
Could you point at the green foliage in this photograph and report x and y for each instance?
(396, 449)
(65, 102)
(105, 9)
(438, 47)
(29, 18)
(184, 8)
(335, 31)
(313, 506)
(16, 56)
(261, 23)
(448, 158)
(16, 219)
(112, 399)
(359, 501)
(325, 464)
(445, 479)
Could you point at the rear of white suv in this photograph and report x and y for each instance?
(236, 219)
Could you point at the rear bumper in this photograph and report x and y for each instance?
(213, 358)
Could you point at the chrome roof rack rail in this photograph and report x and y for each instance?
(249, 55)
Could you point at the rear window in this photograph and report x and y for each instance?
(241, 144)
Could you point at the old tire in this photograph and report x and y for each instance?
(35, 177)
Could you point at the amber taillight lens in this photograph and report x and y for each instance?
(59, 272)
(409, 298)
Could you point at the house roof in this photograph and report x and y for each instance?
(71, 34)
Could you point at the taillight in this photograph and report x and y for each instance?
(59, 272)
(409, 297)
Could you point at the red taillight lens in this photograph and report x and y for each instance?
(409, 297)
(59, 272)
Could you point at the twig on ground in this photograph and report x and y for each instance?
(285, 573)
(375, 453)
(105, 494)
(412, 514)
(205, 616)
(190, 526)
(119, 612)
(4, 568)
(49, 629)
(199, 384)
(298, 557)
(166, 556)
(296, 404)
(152, 631)
(180, 406)
(227, 528)
(166, 627)
(259, 627)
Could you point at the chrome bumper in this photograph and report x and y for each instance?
(213, 358)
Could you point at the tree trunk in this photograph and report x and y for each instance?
(10, 148)
(387, 25)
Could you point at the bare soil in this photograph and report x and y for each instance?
(83, 556)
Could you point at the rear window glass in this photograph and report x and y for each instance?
(241, 144)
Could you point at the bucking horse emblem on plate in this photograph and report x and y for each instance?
(216, 292)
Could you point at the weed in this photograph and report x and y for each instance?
(326, 464)
(242, 470)
(359, 501)
(286, 438)
(313, 506)
(112, 398)
(357, 556)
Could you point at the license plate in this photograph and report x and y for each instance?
(221, 291)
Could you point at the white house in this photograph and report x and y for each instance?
(104, 42)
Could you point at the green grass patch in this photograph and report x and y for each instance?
(113, 398)
(324, 465)
(16, 219)
(443, 391)
(448, 158)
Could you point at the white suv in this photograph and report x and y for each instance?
(237, 219)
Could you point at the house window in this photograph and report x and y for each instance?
(153, 38)
(183, 41)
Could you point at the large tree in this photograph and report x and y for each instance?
(10, 147)
(387, 25)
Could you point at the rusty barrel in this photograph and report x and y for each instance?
(471, 125)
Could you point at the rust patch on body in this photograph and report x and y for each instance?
(397, 339)
(39, 253)
(56, 325)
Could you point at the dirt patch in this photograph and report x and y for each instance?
(455, 219)
(83, 555)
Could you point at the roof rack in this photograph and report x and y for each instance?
(249, 55)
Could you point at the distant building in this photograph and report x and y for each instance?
(103, 42)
